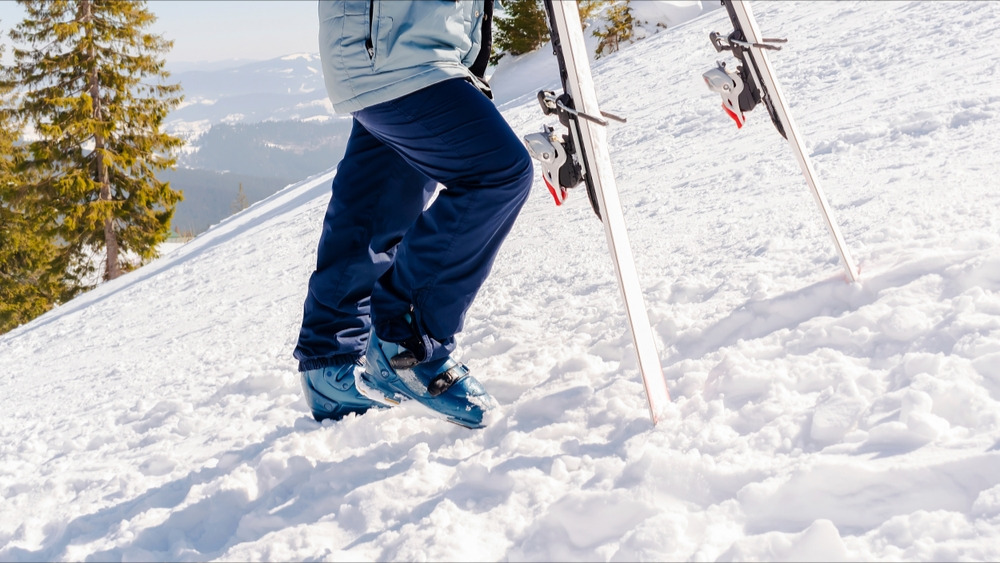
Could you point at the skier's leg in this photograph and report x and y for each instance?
(454, 135)
(376, 197)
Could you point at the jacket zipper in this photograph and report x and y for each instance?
(369, 44)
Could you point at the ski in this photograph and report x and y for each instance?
(581, 156)
(755, 81)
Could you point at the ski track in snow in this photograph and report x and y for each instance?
(159, 416)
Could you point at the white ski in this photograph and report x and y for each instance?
(752, 49)
(595, 160)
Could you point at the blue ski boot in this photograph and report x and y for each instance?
(330, 392)
(393, 375)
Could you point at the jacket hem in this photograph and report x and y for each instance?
(393, 91)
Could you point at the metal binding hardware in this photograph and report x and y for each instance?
(731, 40)
(550, 103)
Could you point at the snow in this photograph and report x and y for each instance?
(670, 13)
(159, 416)
(311, 57)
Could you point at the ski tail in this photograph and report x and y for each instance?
(753, 82)
(581, 156)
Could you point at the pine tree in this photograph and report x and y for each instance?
(588, 8)
(92, 88)
(241, 202)
(523, 26)
(618, 30)
(28, 284)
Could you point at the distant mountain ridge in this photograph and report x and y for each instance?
(256, 124)
(285, 88)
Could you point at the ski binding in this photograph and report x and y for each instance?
(740, 89)
(561, 167)
(754, 81)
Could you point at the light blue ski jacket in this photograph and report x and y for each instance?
(374, 51)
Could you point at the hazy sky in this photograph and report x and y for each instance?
(215, 30)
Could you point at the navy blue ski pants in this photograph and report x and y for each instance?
(381, 255)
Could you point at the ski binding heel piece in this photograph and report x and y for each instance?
(561, 165)
(558, 171)
(741, 89)
(730, 86)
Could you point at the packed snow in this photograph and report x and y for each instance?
(159, 417)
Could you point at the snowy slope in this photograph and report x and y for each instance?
(158, 417)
